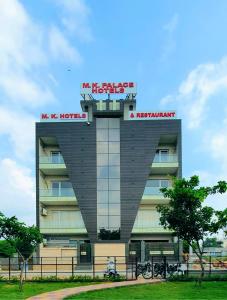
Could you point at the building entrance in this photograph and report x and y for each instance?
(84, 253)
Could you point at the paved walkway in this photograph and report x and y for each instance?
(61, 294)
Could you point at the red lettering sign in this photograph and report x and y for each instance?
(108, 88)
(152, 115)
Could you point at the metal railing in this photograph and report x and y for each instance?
(165, 158)
(51, 159)
(61, 192)
(152, 190)
(93, 267)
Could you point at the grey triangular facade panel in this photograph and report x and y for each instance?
(139, 140)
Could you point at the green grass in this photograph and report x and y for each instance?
(11, 290)
(161, 291)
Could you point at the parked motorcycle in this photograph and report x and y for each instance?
(145, 269)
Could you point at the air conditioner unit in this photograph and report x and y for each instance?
(44, 212)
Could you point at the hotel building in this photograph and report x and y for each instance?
(99, 175)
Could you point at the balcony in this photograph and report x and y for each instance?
(152, 193)
(62, 196)
(156, 230)
(52, 165)
(164, 164)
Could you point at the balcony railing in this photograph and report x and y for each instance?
(165, 158)
(62, 192)
(152, 191)
(51, 159)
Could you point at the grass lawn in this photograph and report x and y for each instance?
(11, 290)
(162, 291)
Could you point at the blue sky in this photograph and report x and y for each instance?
(176, 51)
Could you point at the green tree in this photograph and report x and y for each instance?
(188, 217)
(212, 242)
(6, 250)
(23, 238)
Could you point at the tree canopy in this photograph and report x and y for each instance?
(187, 216)
(23, 238)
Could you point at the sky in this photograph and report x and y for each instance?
(176, 52)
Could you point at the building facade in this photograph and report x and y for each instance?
(99, 179)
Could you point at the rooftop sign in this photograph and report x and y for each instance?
(64, 117)
(108, 88)
(135, 115)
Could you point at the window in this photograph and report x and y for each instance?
(114, 147)
(102, 159)
(56, 157)
(102, 184)
(147, 219)
(114, 196)
(102, 172)
(153, 186)
(64, 219)
(102, 135)
(102, 196)
(108, 173)
(114, 172)
(114, 159)
(114, 135)
(102, 147)
(62, 189)
(162, 155)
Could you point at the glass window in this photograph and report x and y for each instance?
(114, 123)
(102, 135)
(102, 159)
(102, 172)
(102, 196)
(114, 159)
(114, 147)
(114, 221)
(114, 208)
(114, 184)
(114, 172)
(102, 147)
(164, 183)
(102, 221)
(66, 184)
(114, 196)
(102, 209)
(56, 157)
(102, 123)
(114, 135)
(102, 184)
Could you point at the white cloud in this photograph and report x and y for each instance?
(172, 24)
(194, 93)
(207, 178)
(61, 49)
(20, 128)
(75, 18)
(17, 191)
(169, 31)
(25, 75)
(21, 53)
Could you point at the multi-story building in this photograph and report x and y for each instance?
(99, 175)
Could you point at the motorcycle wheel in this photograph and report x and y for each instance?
(147, 274)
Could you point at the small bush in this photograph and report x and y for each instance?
(193, 278)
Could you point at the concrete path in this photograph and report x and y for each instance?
(61, 294)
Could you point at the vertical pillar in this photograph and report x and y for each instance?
(143, 246)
